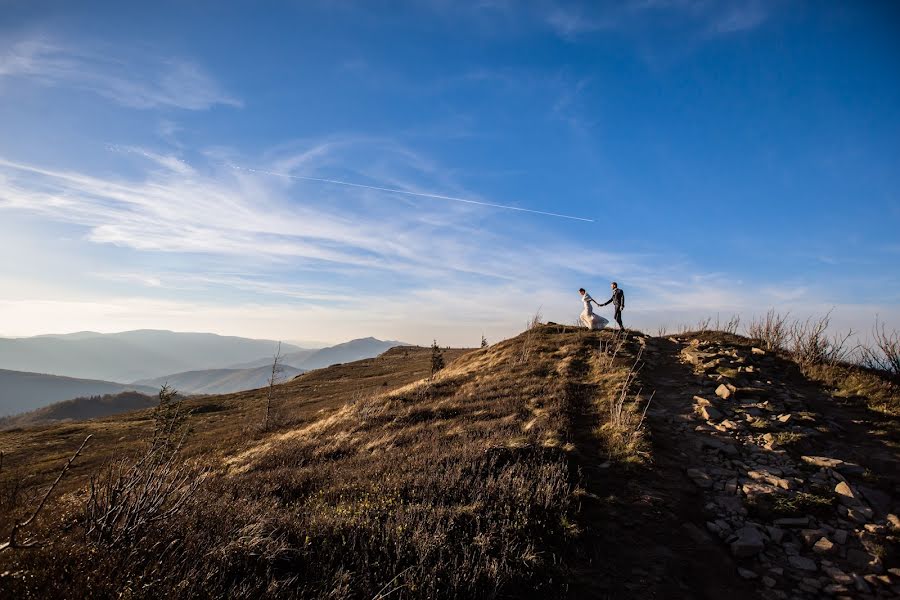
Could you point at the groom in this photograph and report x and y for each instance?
(618, 301)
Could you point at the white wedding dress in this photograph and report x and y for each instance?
(588, 318)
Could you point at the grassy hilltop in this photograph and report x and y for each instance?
(559, 463)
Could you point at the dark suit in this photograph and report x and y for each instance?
(618, 301)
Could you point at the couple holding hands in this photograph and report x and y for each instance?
(592, 321)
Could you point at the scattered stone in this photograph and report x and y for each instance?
(747, 573)
(823, 546)
(700, 478)
(754, 489)
(710, 413)
(860, 584)
(834, 589)
(775, 534)
(810, 536)
(838, 575)
(845, 494)
(822, 461)
(840, 536)
(758, 351)
(802, 563)
(860, 514)
(786, 418)
(723, 392)
(749, 542)
(768, 581)
(894, 521)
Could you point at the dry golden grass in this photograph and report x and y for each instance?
(374, 478)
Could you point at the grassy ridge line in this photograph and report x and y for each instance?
(460, 486)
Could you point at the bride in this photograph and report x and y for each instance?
(588, 318)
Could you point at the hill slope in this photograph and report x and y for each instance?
(85, 407)
(22, 392)
(532, 468)
(221, 381)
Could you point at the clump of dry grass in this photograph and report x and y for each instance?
(623, 430)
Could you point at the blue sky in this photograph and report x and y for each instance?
(733, 156)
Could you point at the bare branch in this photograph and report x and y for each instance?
(13, 541)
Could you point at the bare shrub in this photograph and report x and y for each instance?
(771, 331)
(126, 498)
(885, 355)
(703, 325)
(273, 379)
(13, 542)
(810, 344)
(729, 326)
(661, 330)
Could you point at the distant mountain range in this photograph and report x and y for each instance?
(325, 357)
(22, 392)
(130, 355)
(88, 364)
(221, 381)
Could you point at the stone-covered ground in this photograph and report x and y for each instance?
(799, 486)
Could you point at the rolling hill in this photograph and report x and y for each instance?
(22, 392)
(85, 407)
(562, 463)
(221, 381)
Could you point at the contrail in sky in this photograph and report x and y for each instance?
(420, 194)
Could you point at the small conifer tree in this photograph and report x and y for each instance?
(437, 358)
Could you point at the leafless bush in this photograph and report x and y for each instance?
(729, 326)
(13, 542)
(771, 330)
(662, 330)
(885, 355)
(703, 324)
(127, 497)
(811, 345)
(273, 379)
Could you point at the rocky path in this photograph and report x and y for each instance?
(798, 489)
(646, 525)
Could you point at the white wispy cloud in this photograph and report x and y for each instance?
(327, 263)
(141, 81)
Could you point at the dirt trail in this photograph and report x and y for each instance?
(646, 526)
